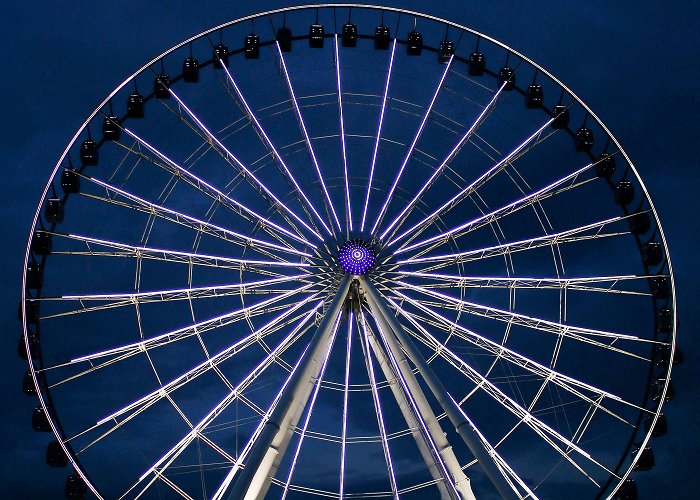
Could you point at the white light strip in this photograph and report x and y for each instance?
(378, 408)
(270, 145)
(460, 144)
(344, 436)
(419, 132)
(179, 215)
(467, 191)
(302, 125)
(311, 409)
(379, 133)
(242, 167)
(348, 208)
(499, 212)
(219, 195)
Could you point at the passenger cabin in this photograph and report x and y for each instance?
(349, 37)
(88, 152)
(447, 50)
(382, 37)
(190, 70)
(75, 487)
(110, 128)
(584, 139)
(652, 253)
(54, 210)
(561, 117)
(477, 64)
(624, 193)
(161, 85)
(316, 36)
(284, 39)
(414, 45)
(534, 97)
(220, 56)
(506, 75)
(70, 182)
(251, 47)
(605, 166)
(645, 459)
(134, 106)
(55, 456)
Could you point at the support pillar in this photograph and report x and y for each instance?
(465, 430)
(269, 448)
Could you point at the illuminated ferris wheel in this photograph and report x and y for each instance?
(347, 252)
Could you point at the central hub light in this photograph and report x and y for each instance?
(356, 257)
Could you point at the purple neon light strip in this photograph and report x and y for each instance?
(419, 132)
(193, 220)
(302, 125)
(219, 194)
(176, 450)
(242, 167)
(343, 442)
(509, 208)
(311, 409)
(416, 412)
(379, 133)
(274, 150)
(378, 406)
(467, 191)
(462, 141)
(548, 239)
(342, 137)
(253, 438)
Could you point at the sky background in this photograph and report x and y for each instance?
(637, 64)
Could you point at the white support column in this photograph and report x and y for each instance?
(408, 415)
(458, 478)
(265, 457)
(448, 404)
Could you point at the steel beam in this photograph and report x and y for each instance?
(458, 478)
(462, 426)
(264, 458)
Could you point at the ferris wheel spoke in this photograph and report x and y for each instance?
(609, 284)
(513, 479)
(348, 207)
(362, 328)
(582, 334)
(135, 408)
(550, 435)
(379, 134)
(466, 137)
(471, 188)
(344, 435)
(181, 256)
(171, 454)
(198, 225)
(223, 320)
(409, 153)
(499, 351)
(219, 197)
(567, 236)
(568, 182)
(301, 196)
(307, 139)
(264, 191)
(309, 412)
(158, 296)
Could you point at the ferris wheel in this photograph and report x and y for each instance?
(347, 251)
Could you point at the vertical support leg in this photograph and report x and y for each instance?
(458, 478)
(465, 430)
(267, 453)
(408, 415)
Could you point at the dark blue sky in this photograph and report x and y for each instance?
(635, 63)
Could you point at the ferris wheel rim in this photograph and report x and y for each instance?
(75, 138)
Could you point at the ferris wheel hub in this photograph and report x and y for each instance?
(356, 257)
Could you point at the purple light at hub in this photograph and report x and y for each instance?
(356, 257)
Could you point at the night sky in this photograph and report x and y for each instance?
(636, 64)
